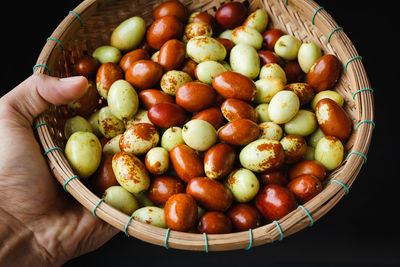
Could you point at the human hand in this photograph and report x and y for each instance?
(62, 229)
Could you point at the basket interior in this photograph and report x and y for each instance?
(93, 28)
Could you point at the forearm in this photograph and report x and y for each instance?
(18, 246)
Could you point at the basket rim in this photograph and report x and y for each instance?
(297, 220)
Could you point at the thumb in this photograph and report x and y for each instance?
(33, 96)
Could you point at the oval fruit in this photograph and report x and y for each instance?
(270, 37)
(293, 72)
(214, 222)
(163, 29)
(309, 52)
(144, 74)
(295, 148)
(329, 152)
(303, 123)
(257, 20)
(273, 70)
(270, 130)
(332, 119)
(172, 137)
(172, 54)
(310, 167)
(207, 70)
(239, 132)
(109, 125)
(304, 92)
(203, 48)
(324, 73)
(106, 75)
(130, 172)
(131, 57)
(262, 155)
(128, 34)
(267, 56)
(180, 212)
(274, 202)
(104, 176)
(244, 59)
(199, 134)
(195, 96)
(170, 8)
(86, 66)
(211, 115)
(197, 28)
(171, 80)
(244, 217)
(76, 124)
(231, 15)
(267, 87)
(187, 164)
(121, 199)
(247, 35)
(287, 47)
(210, 194)
(107, 53)
(283, 106)
(274, 177)
(305, 187)
(139, 139)
(123, 100)
(243, 184)
(157, 160)
(166, 115)
(163, 187)
(112, 145)
(236, 109)
(335, 96)
(150, 215)
(219, 161)
(231, 84)
(262, 112)
(83, 151)
(150, 97)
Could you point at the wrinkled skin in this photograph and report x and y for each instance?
(62, 227)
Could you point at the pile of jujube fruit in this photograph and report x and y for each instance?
(203, 123)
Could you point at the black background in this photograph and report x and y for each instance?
(362, 229)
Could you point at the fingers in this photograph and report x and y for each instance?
(33, 96)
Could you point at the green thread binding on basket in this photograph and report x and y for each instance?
(206, 241)
(362, 90)
(363, 121)
(166, 238)
(41, 65)
(308, 214)
(342, 184)
(280, 230)
(251, 240)
(358, 153)
(54, 39)
(315, 13)
(41, 124)
(51, 149)
(350, 60)
(79, 17)
(330, 35)
(126, 226)
(66, 182)
(95, 207)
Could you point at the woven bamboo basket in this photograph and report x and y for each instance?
(90, 25)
